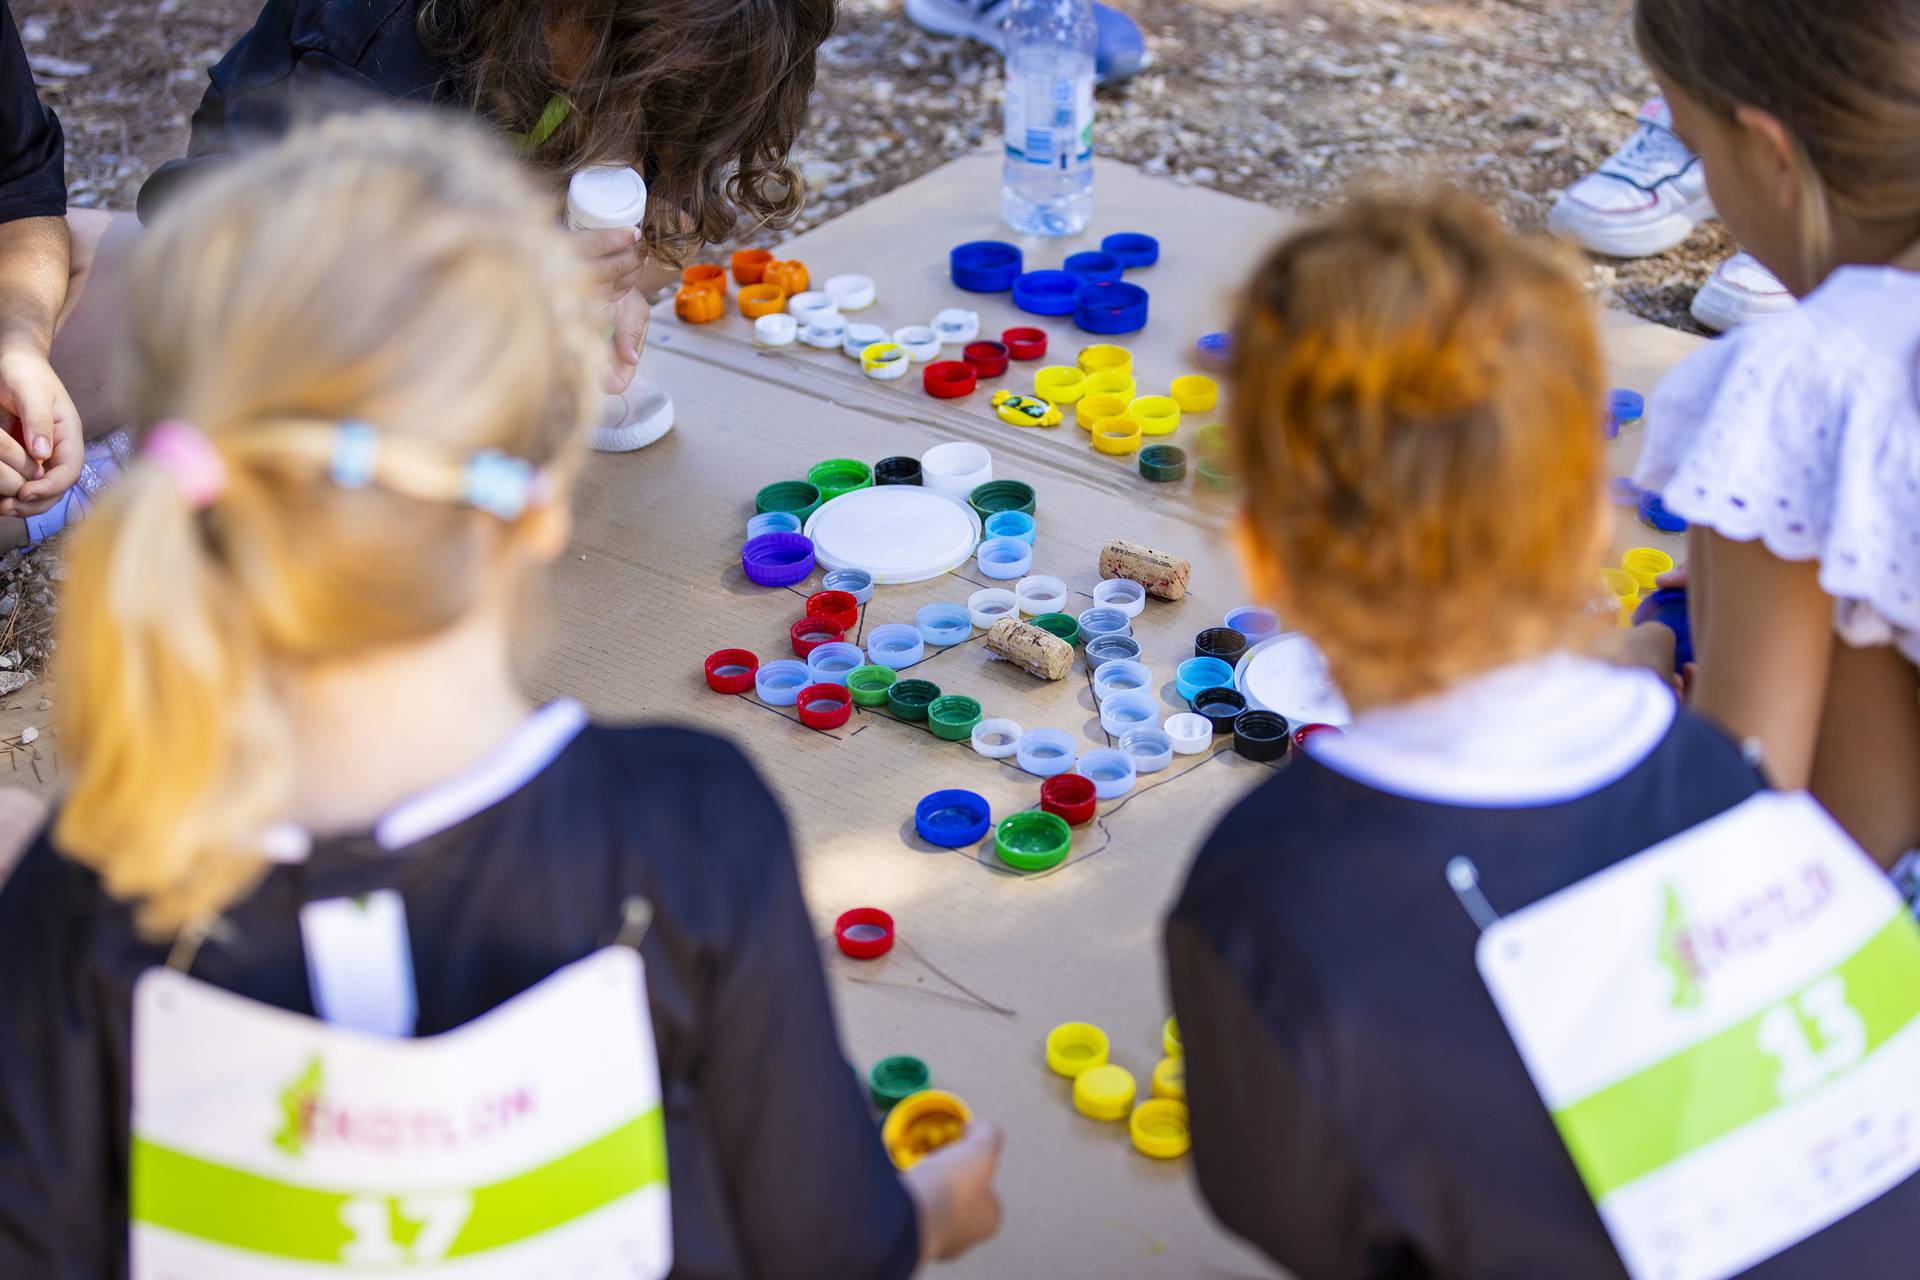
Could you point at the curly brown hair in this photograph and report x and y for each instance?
(707, 95)
(1417, 419)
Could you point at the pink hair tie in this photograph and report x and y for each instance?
(191, 462)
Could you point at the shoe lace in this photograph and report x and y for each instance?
(1654, 154)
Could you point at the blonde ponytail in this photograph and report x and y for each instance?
(383, 270)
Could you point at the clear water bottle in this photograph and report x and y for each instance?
(1046, 187)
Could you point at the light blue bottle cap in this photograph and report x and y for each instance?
(772, 522)
(830, 663)
(1111, 648)
(857, 583)
(1003, 558)
(1010, 524)
(944, 624)
(1195, 674)
(1046, 752)
(895, 645)
(1120, 676)
(779, 683)
(1110, 771)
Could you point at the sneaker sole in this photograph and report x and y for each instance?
(1642, 241)
(1720, 307)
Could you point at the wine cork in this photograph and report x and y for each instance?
(1164, 576)
(1037, 652)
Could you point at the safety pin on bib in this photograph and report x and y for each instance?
(1464, 879)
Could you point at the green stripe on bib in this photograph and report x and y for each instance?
(222, 1205)
(1648, 1120)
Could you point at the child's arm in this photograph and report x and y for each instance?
(1763, 638)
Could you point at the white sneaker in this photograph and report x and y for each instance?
(1739, 290)
(1644, 200)
(635, 419)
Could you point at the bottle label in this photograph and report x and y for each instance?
(1054, 133)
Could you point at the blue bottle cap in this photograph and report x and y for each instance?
(1101, 650)
(1654, 512)
(772, 522)
(779, 683)
(951, 819)
(1046, 293)
(944, 624)
(1046, 752)
(985, 266)
(1132, 248)
(1093, 266)
(830, 663)
(1010, 524)
(1111, 772)
(857, 583)
(1003, 558)
(1195, 674)
(1668, 607)
(896, 645)
(1626, 406)
(1254, 622)
(1214, 349)
(1110, 307)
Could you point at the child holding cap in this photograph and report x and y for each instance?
(286, 641)
(1415, 423)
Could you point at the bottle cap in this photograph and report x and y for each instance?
(796, 496)
(831, 663)
(1104, 1092)
(762, 299)
(775, 330)
(1254, 622)
(1074, 1048)
(1070, 797)
(790, 276)
(1061, 625)
(777, 559)
(749, 265)
(1047, 293)
(1101, 650)
(864, 933)
(1668, 607)
(1092, 265)
(1206, 672)
(1116, 436)
(1025, 343)
(1103, 620)
(884, 361)
(1170, 1042)
(731, 670)
(606, 198)
(1261, 735)
(1009, 524)
(1626, 407)
(1646, 564)
(1170, 1078)
(772, 522)
(909, 699)
(1121, 676)
(952, 717)
(1004, 558)
(1111, 772)
(869, 684)
(1195, 393)
(1032, 840)
(1094, 407)
(896, 645)
(922, 1123)
(1157, 415)
(1220, 705)
(1121, 713)
(1160, 1129)
(1217, 475)
(1654, 512)
(956, 326)
(997, 739)
(895, 1078)
(861, 336)
(985, 266)
(944, 624)
(1112, 383)
(811, 305)
(896, 471)
(1124, 594)
(1151, 750)
(699, 304)
(1103, 357)
(1224, 643)
(1191, 733)
(1211, 438)
(1214, 350)
(851, 292)
(710, 275)
(1309, 731)
(857, 583)
(779, 683)
(990, 604)
(1132, 248)
(989, 359)
(1041, 593)
(1111, 307)
(1163, 463)
(1045, 752)
(824, 706)
(921, 342)
(951, 819)
(956, 468)
(949, 379)
(838, 606)
(823, 333)
(1059, 384)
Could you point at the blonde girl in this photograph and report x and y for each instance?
(368, 356)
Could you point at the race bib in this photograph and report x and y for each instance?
(527, 1144)
(1726, 1031)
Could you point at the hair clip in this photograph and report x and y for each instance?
(501, 485)
(190, 460)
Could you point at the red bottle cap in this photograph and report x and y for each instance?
(1306, 731)
(835, 606)
(949, 379)
(731, 670)
(824, 706)
(809, 634)
(865, 933)
(989, 359)
(1070, 797)
(1025, 344)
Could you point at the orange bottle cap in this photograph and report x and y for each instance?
(758, 300)
(699, 303)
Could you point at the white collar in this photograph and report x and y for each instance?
(1535, 733)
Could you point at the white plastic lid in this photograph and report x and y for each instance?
(606, 196)
(897, 532)
(955, 469)
(1288, 675)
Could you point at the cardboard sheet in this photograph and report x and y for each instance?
(654, 584)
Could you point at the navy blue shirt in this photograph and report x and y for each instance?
(1358, 1107)
(33, 157)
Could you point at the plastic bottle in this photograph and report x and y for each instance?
(606, 197)
(1047, 182)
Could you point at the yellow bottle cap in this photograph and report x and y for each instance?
(1170, 1038)
(1103, 1092)
(1073, 1047)
(921, 1123)
(1105, 356)
(1060, 384)
(1116, 435)
(1170, 1078)
(1160, 1129)
(1157, 415)
(1111, 382)
(1646, 564)
(1093, 408)
(1196, 393)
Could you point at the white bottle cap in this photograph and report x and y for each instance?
(605, 197)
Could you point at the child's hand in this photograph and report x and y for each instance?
(1674, 577)
(629, 318)
(43, 448)
(618, 258)
(952, 1189)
